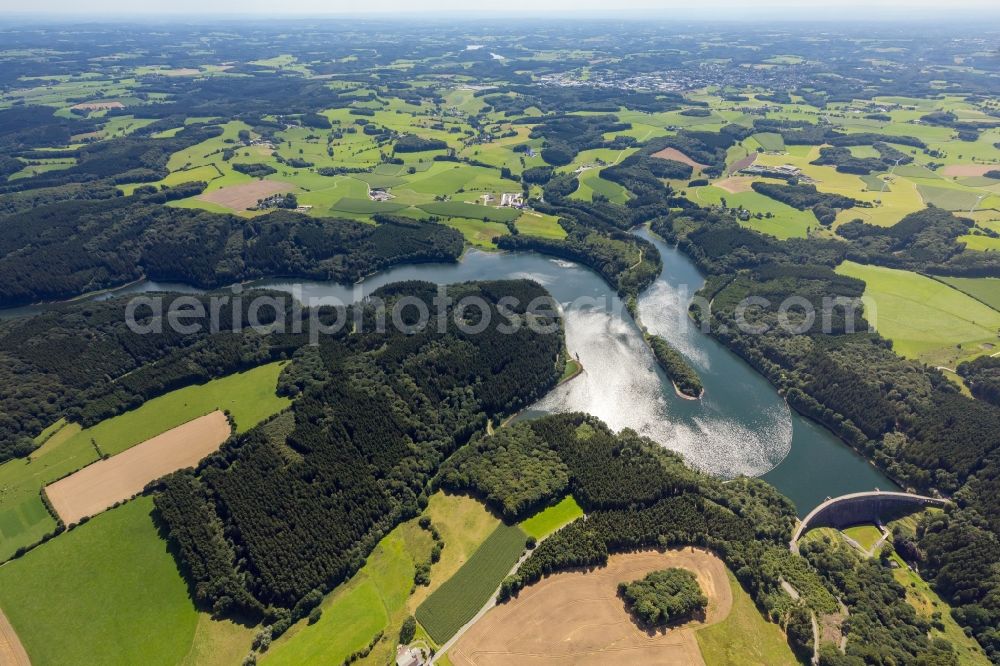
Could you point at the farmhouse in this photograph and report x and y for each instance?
(379, 195)
(512, 200)
(784, 171)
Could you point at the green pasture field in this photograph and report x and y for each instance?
(106, 592)
(787, 222)
(955, 198)
(874, 183)
(380, 181)
(538, 224)
(23, 518)
(42, 166)
(470, 211)
(744, 638)
(863, 151)
(591, 183)
(926, 601)
(888, 207)
(249, 397)
(925, 319)
(458, 600)
(366, 206)
(980, 243)
(476, 232)
(552, 518)
(986, 290)
(770, 141)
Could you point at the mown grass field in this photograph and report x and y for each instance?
(537, 224)
(744, 638)
(787, 222)
(866, 536)
(591, 183)
(460, 598)
(249, 396)
(365, 206)
(106, 592)
(986, 290)
(552, 518)
(470, 211)
(924, 318)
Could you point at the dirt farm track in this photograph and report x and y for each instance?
(578, 618)
(97, 487)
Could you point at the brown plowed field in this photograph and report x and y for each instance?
(735, 184)
(968, 170)
(577, 618)
(241, 197)
(678, 156)
(97, 487)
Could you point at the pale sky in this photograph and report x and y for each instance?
(714, 9)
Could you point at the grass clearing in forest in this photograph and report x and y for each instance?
(537, 224)
(476, 232)
(552, 518)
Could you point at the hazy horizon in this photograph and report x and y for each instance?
(901, 10)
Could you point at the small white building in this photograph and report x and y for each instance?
(512, 200)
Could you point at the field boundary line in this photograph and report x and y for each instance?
(12, 652)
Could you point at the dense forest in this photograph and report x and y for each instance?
(982, 375)
(72, 247)
(680, 372)
(664, 597)
(291, 508)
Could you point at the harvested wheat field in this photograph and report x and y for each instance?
(678, 156)
(735, 184)
(241, 197)
(578, 618)
(97, 487)
(11, 651)
(968, 170)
